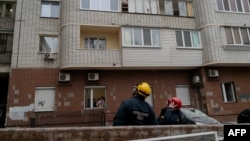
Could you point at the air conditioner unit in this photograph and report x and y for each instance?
(196, 79)
(213, 73)
(93, 76)
(49, 56)
(64, 77)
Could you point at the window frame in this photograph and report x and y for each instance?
(155, 42)
(244, 8)
(99, 39)
(48, 99)
(183, 39)
(52, 49)
(100, 4)
(232, 35)
(6, 13)
(50, 4)
(91, 104)
(225, 93)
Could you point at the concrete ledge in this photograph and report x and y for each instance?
(102, 133)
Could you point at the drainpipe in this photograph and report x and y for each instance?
(18, 45)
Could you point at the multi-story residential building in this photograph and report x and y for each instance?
(68, 53)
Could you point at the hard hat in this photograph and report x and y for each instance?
(143, 89)
(177, 102)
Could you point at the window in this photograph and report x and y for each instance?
(237, 35)
(228, 91)
(95, 43)
(44, 99)
(7, 9)
(102, 5)
(240, 6)
(50, 9)
(48, 44)
(141, 37)
(177, 7)
(6, 41)
(182, 91)
(188, 39)
(93, 94)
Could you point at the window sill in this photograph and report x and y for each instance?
(189, 48)
(142, 47)
(237, 47)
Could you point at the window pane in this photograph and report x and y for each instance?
(85, 4)
(93, 43)
(156, 37)
(226, 5)
(55, 11)
(182, 7)
(244, 35)
(114, 5)
(239, 5)
(102, 43)
(147, 37)
(179, 38)
(168, 7)
(3, 41)
(229, 92)
(219, 4)
(139, 6)
(195, 39)
(86, 43)
(105, 5)
(95, 4)
(236, 35)
(46, 10)
(137, 36)
(187, 39)
(233, 5)
(175, 8)
(87, 98)
(229, 35)
(246, 6)
(128, 36)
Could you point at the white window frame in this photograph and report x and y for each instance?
(231, 89)
(47, 11)
(241, 38)
(51, 45)
(97, 42)
(100, 4)
(44, 99)
(191, 39)
(237, 10)
(154, 39)
(182, 92)
(88, 97)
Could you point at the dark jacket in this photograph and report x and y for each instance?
(135, 111)
(170, 116)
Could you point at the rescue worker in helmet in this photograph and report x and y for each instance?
(135, 110)
(172, 114)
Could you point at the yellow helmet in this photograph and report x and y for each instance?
(143, 89)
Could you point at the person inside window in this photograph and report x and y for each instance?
(100, 102)
(135, 110)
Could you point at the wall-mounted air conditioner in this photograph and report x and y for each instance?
(64, 77)
(49, 56)
(93, 76)
(213, 73)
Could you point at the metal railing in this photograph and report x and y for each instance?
(203, 136)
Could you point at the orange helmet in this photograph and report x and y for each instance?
(177, 101)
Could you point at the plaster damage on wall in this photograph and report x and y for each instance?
(17, 112)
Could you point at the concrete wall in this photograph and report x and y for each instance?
(103, 133)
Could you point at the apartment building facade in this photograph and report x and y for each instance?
(66, 54)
